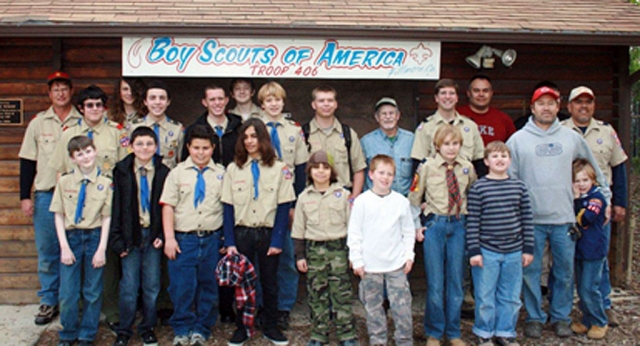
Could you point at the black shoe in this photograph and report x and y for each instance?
(122, 340)
(238, 338)
(46, 314)
(283, 320)
(165, 315)
(276, 337)
(502, 341)
(149, 338)
(562, 329)
(533, 330)
(66, 342)
(485, 342)
(228, 318)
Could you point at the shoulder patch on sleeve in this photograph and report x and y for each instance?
(594, 205)
(287, 173)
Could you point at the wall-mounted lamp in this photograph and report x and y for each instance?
(483, 58)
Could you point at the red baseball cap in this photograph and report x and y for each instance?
(58, 75)
(544, 91)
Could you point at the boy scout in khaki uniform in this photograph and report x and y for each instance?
(192, 220)
(110, 138)
(111, 142)
(446, 96)
(603, 141)
(82, 206)
(325, 133)
(170, 132)
(39, 141)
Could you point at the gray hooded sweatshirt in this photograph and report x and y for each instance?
(543, 160)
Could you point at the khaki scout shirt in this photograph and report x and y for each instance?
(254, 113)
(472, 145)
(603, 141)
(334, 145)
(40, 140)
(145, 217)
(97, 204)
(292, 145)
(110, 139)
(431, 182)
(322, 216)
(171, 137)
(179, 192)
(275, 187)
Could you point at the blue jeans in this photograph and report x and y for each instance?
(287, 276)
(193, 288)
(605, 283)
(83, 244)
(140, 266)
(562, 249)
(444, 243)
(588, 280)
(48, 249)
(497, 286)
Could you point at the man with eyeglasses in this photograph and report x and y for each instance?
(390, 140)
(39, 141)
(605, 145)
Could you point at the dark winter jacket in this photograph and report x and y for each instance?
(224, 152)
(126, 230)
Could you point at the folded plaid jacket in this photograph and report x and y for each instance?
(237, 271)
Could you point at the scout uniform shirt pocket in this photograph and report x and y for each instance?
(108, 157)
(312, 213)
(95, 201)
(337, 214)
(46, 144)
(268, 196)
(242, 192)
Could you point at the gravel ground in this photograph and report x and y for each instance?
(626, 301)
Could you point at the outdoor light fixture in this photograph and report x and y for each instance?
(483, 58)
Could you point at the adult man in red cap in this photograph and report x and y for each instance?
(606, 147)
(38, 144)
(542, 154)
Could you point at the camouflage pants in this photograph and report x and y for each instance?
(329, 289)
(372, 293)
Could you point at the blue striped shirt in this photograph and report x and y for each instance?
(500, 217)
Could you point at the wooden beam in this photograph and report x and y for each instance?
(621, 235)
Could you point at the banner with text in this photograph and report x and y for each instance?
(282, 58)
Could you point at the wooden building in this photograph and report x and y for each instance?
(569, 42)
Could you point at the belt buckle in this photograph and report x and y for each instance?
(201, 234)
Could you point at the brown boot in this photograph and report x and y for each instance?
(612, 316)
(579, 328)
(597, 332)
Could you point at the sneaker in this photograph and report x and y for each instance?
(122, 340)
(431, 341)
(485, 342)
(597, 332)
(502, 341)
(149, 338)
(238, 338)
(66, 342)
(612, 317)
(113, 327)
(457, 342)
(562, 329)
(579, 328)
(283, 320)
(276, 337)
(350, 342)
(533, 330)
(198, 339)
(314, 343)
(181, 340)
(46, 314)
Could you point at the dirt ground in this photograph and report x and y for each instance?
(626, 301)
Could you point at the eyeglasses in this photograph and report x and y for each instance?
(93, 105)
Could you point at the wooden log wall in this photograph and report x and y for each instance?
(25, 63)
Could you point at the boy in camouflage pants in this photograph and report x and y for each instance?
(381, 239)
(319, 232)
